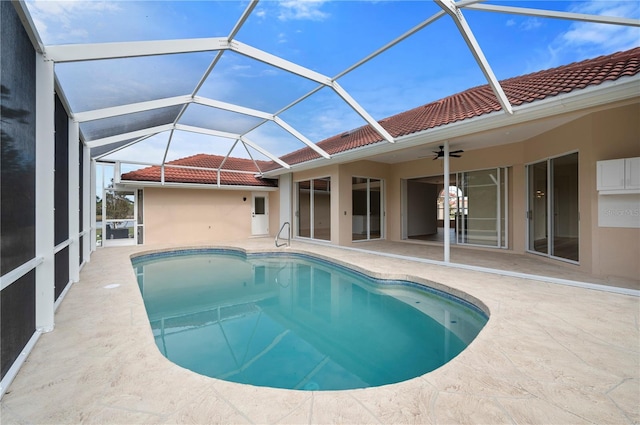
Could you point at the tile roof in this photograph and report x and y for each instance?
(480, 100)
(186, 175)
(470, 103)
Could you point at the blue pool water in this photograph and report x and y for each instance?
(292, 321)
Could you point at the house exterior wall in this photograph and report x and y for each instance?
(190, 216)
(599, 135)
(498, 156)
(615, 134)
(219, 215)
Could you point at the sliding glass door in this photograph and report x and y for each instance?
(481, 218)
(313, 209)
(552, 211)
(367, 211)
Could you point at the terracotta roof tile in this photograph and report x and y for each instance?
(480, 100)
(187, 175)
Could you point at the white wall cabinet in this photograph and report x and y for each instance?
(619, 176)
(632, 173)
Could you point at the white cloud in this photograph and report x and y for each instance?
(58, 19)
(602, 36)
(530, 24)
(302, 10)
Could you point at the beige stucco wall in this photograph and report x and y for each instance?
(600, 135)
(615, 134)
(201, 215)
(218, 215)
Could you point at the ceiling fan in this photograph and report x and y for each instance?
(440, 153)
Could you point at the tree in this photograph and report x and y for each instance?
(119, 206)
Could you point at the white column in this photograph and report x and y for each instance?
(447, 219)
(45, 165)
(74, 202)
(88, 183)
(284, 187)
(92, 205)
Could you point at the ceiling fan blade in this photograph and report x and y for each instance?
(458, 151)
(455, 156)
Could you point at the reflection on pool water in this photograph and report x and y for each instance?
(292, 321)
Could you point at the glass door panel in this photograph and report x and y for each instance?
(359, 208)
(565, 207)
(375, 209)
(304, 209)
(503, 207)
(538, 213)
(314, 209)
(322, 209)
(481, 190)
(367, 208)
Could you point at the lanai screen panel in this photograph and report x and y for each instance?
(276, 140)
(218, 119)
(61, 175)
(345, 31)
(61, 198)
(244, 81)
(325, 114)
(186, 144)
(17, 184)
(103, 149)
(17, 224)
(81, 198)
(121, 124)
(168, 20)
(107, 83)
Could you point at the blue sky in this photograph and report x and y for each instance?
(325, 36)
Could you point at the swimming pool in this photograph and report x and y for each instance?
(289, 320)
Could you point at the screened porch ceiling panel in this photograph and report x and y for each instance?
(99, 84)
(154, 81)
(115, 125)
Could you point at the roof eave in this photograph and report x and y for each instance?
(177, 185)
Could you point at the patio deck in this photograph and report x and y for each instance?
(549, 354)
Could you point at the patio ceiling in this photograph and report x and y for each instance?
(163, 97)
